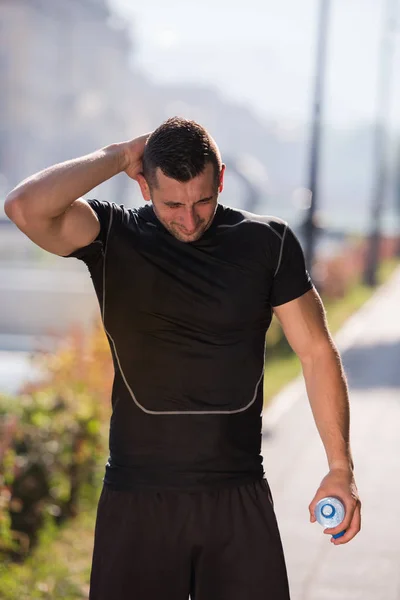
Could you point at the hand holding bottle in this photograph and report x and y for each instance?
(339, 483)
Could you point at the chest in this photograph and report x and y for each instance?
(157, 281)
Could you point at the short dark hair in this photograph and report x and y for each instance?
(181, 149)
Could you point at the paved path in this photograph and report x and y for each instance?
(368, 568)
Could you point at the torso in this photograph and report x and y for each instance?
(186, 325)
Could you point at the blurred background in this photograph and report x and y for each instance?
(80, 75)
(303, 99)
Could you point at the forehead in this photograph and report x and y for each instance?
(199, 187)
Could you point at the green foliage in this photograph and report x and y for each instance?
(53, 439)
(40, 578)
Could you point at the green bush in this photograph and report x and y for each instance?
(40, 578)
(53, 439)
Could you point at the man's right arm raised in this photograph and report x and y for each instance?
(48, 206)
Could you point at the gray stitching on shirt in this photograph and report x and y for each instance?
(233, 225)
(104, 265)
(180, 412)
(250, 221)
(281, 251)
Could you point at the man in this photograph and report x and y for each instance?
(186, 288)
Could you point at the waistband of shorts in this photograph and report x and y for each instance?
(122, 479)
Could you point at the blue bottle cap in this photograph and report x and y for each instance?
(328, 511)
(340, 534)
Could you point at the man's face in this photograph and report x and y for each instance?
(187, 209)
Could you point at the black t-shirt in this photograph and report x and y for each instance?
(186, 323)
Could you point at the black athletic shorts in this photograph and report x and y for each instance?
(220, 544)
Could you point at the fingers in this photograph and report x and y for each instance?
(311, 508)
(352, 529)
(350, 507)
(351, 523)
(340, 483)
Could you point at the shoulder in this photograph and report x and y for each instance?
(114, 219)
(112, 215)
(269, 225)
(134, 222)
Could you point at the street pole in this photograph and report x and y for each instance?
(309, 226)
(380, 141)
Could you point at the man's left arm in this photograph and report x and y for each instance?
(305, 326)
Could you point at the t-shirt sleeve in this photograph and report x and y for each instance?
(103, 211)
(291, 278)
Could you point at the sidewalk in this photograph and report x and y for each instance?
(368, 567)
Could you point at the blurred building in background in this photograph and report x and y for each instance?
(66, 83)
(66, 90)
(69, 87)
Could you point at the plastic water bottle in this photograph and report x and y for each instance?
(329, 513)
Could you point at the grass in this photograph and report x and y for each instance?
(59, 568)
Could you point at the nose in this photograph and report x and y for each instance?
(190, 221)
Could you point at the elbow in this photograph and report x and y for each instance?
(11, 205)
(13, 208)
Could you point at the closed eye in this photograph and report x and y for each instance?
(179, 204)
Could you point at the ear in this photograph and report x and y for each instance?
(221, 179)
(144, 187)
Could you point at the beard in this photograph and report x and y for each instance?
(179, 232)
